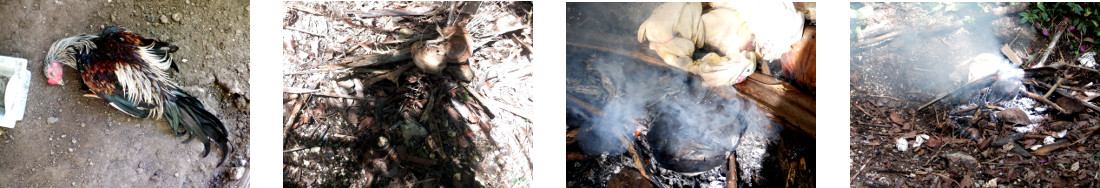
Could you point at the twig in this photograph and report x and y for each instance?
(584, 105)
(294, 90)
(392, 75)
(978, 82)
(732, 180)
(1056, 84)
(423, 11)
(1045, 100)
(884, 96)
(482, 101)
(400, 54)
(634, 153)
(861, 168)
(1085, 68)
(1082, 101)
(428, 108)
(968, 109)
(305, 9)
(1054, 42)
(864, 111)
(294, 113)
(337, 95)
(495, 104)
(294, 149)
(304, 31)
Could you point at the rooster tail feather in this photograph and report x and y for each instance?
(126, 106)
(164, 50)
(188, 113)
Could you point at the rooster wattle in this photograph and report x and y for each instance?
(128, 71)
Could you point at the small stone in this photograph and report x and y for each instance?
(163, 19)
(177, 17)
(237, 173)
(1076, 166)
(51, 120)
(81, 125)
(382, 141)
(70, 150)
(177, 174)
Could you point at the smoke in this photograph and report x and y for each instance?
(934, 45)
(691, 127)
(687, 127)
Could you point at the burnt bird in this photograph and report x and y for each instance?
(128, 71)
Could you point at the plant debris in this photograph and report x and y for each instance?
(407, 94)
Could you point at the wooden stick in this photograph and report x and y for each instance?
(1045, 100)
(979, 83)
(400, 54)
(1056, 84)
(783, 100)
(294, 113)
(423, 11)
(1064, 94)
(731, 182)
(637, 161)
(1050, 48)
(304, 31)
(1085, 68)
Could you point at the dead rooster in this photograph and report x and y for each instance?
(128, 71)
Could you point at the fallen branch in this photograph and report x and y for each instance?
(979, 83)
(1056, 84)
(400, 54)
(780, 99)
(304, 31)
(391, 76)
(305, 9)
(421, 11)
(731, 182)
(637, 161)
(1047, 101)
(1064, 94)
(1050, 48)
(1085, 68)
(294, 114)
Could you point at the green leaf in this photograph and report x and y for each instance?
(1041, 7)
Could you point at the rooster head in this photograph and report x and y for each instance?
(65, 52)
(53, 73)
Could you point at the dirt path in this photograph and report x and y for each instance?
(92, 145)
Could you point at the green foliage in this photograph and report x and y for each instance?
(1080, 18)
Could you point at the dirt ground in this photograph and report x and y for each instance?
(93, 145)
(891, 79)
(352, 127)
